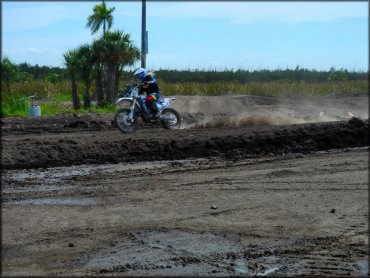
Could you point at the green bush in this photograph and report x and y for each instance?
(14, 106)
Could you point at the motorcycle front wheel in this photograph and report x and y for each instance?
(123, 122)
(174, 122)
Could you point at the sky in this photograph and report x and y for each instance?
(199, 35)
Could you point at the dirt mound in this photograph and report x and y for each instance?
(56, 124)
(111, 146)
(231, 127)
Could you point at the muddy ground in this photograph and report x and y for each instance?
(250, 186)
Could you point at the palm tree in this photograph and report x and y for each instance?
(102, 16)
(85, 67)
(72, 64)
(128, 58)
(97, 60)
(114, 50)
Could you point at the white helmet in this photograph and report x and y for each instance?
(141, 73)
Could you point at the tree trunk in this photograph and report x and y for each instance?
(87, 96)
(99, 87)
(116, 83)
(111, 76)
(75, 99)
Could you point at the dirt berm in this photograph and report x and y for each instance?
(110, 146)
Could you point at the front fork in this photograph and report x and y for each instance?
(130, 115)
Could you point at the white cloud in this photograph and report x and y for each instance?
(26, 16)
(22, 16)
(42, 56)
(29, 50)
(249, 12)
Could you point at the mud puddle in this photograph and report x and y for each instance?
(50, 176)
(363, 268)
(176, 253)
(189, 253)
(54, 201)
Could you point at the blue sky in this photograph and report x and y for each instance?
(200, 35)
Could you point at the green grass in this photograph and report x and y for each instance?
(14, 105)
(16, 108)
(65, 97)
(54, 108)
(108, 108)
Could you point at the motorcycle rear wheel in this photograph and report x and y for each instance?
(123, 123)
(176, 123)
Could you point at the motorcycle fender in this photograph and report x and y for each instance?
(123, 100)
(166, 102)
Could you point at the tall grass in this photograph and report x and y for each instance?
(59, 107)
(41, 89)
(13, 105)
(55, 98)
(49, 95)
(287, 89)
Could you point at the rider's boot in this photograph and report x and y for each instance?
(155, 113)
(146, 113)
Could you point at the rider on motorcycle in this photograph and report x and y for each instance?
(148, 84)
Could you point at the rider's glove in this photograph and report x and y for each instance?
(145, 84)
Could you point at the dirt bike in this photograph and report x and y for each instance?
(127, 118)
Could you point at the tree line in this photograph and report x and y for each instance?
(259, 76)
(37, 72)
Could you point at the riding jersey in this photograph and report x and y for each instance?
(149, 86)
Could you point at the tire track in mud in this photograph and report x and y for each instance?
(99, 147)
(239, 238)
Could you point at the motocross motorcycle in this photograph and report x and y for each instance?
(127, 117)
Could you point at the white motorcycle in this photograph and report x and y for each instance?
(126, 117)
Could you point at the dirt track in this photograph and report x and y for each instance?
(250, 194)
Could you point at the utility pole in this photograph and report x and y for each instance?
(144, 35)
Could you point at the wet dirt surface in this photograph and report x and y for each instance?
(251, 195)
